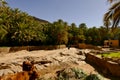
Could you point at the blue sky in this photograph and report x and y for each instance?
(72, 11)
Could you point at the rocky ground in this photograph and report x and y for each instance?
(47, 62)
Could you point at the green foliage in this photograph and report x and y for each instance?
(19, 29)
(92, 77)
(79, 74)
(71, 74)
(23, 29)
(57, 33)
(111, 55)
(112, 17)
(75, 34)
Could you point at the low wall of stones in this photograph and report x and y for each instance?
(87, 46)
(31, 48)
(106, 67)
(4, 49)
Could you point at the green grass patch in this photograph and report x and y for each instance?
(111, 55)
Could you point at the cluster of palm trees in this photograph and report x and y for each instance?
(17, 27)
(23, 29)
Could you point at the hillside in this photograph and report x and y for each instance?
(40, 20)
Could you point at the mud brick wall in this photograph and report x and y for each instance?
(106, 67)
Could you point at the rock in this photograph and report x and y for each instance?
(46, 65)
(4, 66)
(5, 72)
(81, 53)
(39, 67)
(1, 72)
(16, 69)
(64, 54)
(29, 58)
(45, 62)
(55, 63)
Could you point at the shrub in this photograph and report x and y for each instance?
(71, 74)
(79, 73)
(92, 77)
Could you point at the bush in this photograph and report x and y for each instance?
(71, 74)
(92, 77)
(79, 74)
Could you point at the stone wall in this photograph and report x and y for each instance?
(31, 48)
(106, 67)
(87, 46)
(4, 49)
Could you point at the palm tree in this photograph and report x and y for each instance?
(112, 17)
(3, 3)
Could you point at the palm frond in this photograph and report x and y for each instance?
(106, 19)
(116, 18)
(115, 5)
(111, 1)
(112, 17)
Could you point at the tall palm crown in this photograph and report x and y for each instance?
(112, 17)
(3, 3)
